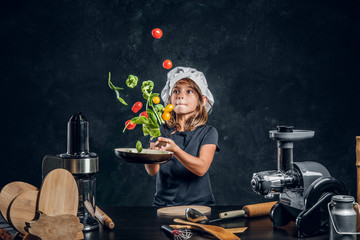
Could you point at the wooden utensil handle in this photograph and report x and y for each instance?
(89, 208)
(257, 210)
(358, 167)
(103, 218)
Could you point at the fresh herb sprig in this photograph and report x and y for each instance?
(150, 124)
(139, 147)
(131, 82)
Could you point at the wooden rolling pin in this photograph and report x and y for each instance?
(103, 218)
(253, 210)
(100, 215)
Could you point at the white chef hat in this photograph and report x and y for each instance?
(179, 73)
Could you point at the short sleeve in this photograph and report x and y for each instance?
(211, 137)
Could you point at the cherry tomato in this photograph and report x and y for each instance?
(131, 125)
(136, 107)
(167, 64)
(156, 100)
(166, 116)
(169, 108)
(156, 33)
(145, 114)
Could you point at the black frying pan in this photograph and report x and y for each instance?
(148, 156)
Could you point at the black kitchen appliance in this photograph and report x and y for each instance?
(304, 188)
(82, 164)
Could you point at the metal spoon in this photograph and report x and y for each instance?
(193, 215)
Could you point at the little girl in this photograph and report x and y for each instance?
(184, 179)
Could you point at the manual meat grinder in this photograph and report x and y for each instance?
(82, 164)
(304, 188)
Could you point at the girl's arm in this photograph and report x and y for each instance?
(197, 165)
(152, 169)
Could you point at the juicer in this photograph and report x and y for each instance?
(304, 188)
(82, 164)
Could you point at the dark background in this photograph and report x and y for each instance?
(267, 63)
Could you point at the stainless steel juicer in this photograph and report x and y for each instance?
(82, 164)
(304, 188)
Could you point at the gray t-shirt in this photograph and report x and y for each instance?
(176, 185)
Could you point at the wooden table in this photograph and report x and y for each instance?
(133, 223)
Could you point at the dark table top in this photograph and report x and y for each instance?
(143, 223)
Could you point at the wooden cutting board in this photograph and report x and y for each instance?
(218, 232)
(59, 194)
(23, 209)
(9, 192)
(179, 211)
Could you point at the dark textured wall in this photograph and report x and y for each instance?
(267, 63)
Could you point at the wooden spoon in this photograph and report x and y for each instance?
(59, 194)
(9, 192)
(232, 230)
(23, 209)
(218, 232)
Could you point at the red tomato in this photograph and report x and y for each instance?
(145, 114)
(131, 125)
(156, 33)
(136, 107)
(167, 64)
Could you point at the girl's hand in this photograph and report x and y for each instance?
(156, 145)
(166, 144)
(152, 146)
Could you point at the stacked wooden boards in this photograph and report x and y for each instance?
(25, 207)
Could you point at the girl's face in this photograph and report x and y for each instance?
(184, 98)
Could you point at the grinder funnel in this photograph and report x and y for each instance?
(82, 164)
(78, 135)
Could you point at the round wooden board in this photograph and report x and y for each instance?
(59, 194)
(179, 211)
(9, 192)
(23, 209)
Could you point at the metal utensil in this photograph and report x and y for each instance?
(196, 216)
(179, 234)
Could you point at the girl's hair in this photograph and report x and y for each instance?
(199, 116)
